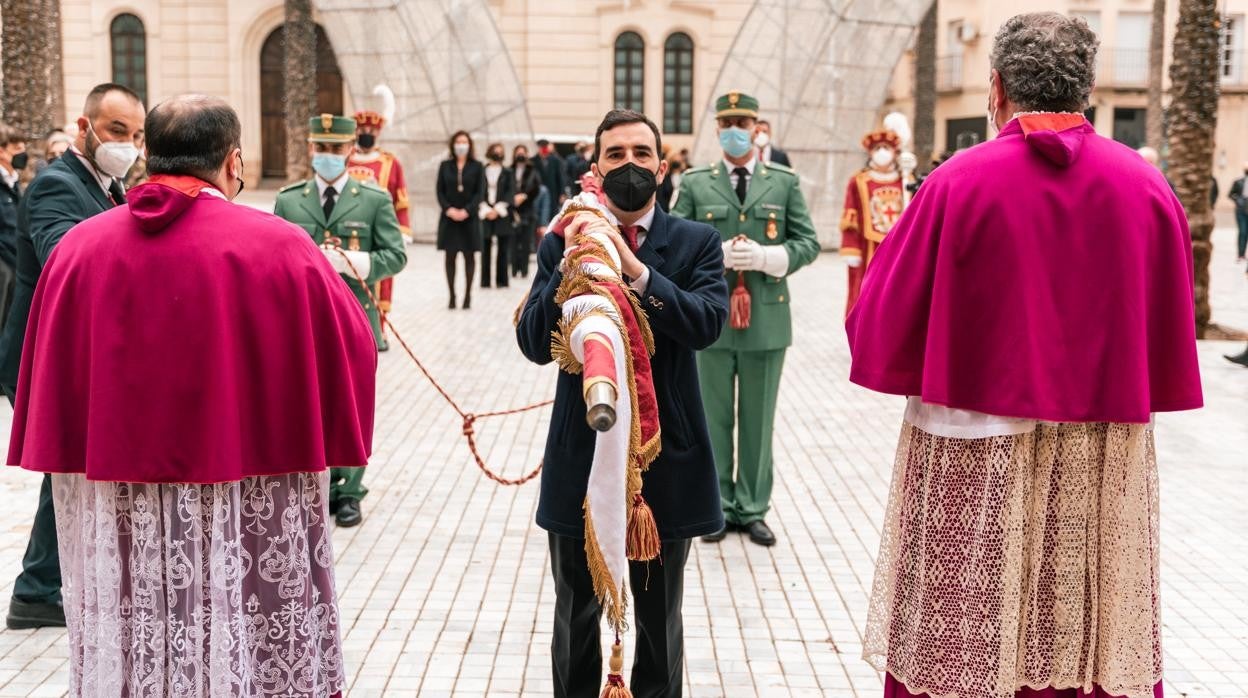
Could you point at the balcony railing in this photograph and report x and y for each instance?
(1125, 67)
(949, 73)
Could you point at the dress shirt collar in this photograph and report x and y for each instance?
(10, 178)
(105, 180)
(339, 185)
(749, 166)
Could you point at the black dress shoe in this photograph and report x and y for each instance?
(467, 303)
(24, 615)
(451, 305)
(348, 512)
(333, 507)
(760, 533)
(1240, 358)
(721, 534)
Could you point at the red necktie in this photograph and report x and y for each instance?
(630, 234)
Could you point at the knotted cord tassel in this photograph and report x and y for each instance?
(615, 687)
(739, 307)
(643, 532)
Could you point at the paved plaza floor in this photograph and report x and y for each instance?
(445, 588)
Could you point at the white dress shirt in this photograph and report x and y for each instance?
(104, 179)
(641, 283)
(749, 167)
(339, 185)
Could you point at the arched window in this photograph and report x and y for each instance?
(678, 84)
(129, 47)
(630, 65)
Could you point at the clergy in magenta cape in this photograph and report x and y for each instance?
(1034, 303)
(191, 368)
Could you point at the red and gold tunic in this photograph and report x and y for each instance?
(385, 171)
(873, 203)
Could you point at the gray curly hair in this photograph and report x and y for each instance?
(1047, 61)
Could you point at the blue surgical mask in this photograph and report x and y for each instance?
(735, 141)
(329, 166)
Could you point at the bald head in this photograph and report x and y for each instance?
(192, 135)
(1150, 155)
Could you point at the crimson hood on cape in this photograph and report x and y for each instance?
(1045, 274)
(183, 338)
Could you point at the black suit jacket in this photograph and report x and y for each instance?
(10, 198)
(63, 195)
(780, 157)
(554, 174)
(687, 303)
(529, 184)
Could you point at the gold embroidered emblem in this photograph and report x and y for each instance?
(327, 122)
(354, 245)
(771, 230)
(733, 98)
(885, 207)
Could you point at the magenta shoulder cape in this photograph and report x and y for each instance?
(1045, 274)
(183, 338)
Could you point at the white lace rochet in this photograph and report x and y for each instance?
(199, 591)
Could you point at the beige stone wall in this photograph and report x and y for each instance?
(1112, 91)
(563, 52)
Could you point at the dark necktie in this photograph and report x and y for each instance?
(743, 182)
(116, 192)
(630, 233)
(330, 193)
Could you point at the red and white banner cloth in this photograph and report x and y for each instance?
(597, 304)
(199, 591)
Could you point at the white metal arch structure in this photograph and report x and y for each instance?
(449, 69)
(820, 70)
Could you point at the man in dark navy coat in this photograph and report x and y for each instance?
(678, 273)
(85, 181)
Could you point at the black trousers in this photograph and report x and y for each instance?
(522, 247)
(501, 265)
(40, 578)
(657, 638)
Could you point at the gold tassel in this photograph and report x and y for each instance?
(643, 532)
(615, 687)
(739, 306)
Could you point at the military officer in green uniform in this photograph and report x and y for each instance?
(357, 218)
(767, 234)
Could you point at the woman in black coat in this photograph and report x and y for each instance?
(461, 187)
(495, 214)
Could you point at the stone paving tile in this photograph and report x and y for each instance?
(445, 589)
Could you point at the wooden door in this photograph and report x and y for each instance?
(329, 96)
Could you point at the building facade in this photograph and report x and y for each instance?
(1119, 101)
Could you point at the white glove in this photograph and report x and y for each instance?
(747, 255)
(853, 262)
(727, 248)
(501, 209)
(362, 261)
(776, 261)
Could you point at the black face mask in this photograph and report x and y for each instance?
(629, 187)
(20, 161)
(366, 140)
(521, 160)
(495, 157)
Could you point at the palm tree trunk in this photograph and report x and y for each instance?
(1193, 120)
(31, 56)
(299, 37)
(1155, 124)
(925, 89)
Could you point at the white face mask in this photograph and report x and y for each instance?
(763, 139)
(882, 157)
(114, 158)
(461, 150)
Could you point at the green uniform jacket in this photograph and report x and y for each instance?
(774, 213)
(363, 219)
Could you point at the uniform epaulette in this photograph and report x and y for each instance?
(375, 187)
(699, 169)
(781, 168)
(292, 187)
